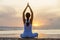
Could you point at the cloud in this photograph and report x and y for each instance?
(8, 17)
(52, 18)
(55, 24)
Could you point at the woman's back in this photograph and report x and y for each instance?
(27, 26)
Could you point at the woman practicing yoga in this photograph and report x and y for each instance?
(27, 20)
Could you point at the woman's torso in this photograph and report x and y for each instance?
(29, 27)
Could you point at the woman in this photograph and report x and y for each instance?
(27, 19)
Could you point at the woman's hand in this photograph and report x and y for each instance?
(27, 4)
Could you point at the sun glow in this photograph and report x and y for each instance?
(36, 23)
(42, 35)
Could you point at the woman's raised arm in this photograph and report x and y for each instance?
(24, 14)
(31, 14)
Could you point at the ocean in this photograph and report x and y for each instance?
(41, 33)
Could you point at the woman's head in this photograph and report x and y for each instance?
(27, 15)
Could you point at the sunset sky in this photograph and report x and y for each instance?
(46, 13)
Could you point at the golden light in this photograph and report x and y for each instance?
(42, 35)
(37, 23)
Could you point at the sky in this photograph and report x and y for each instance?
(46, 13)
